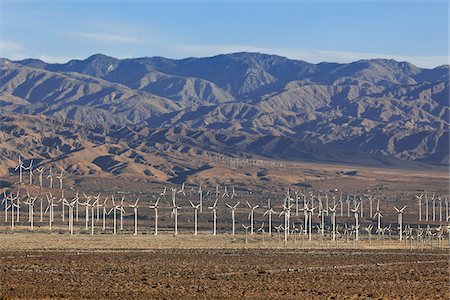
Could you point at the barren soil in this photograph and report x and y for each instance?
(168, 273)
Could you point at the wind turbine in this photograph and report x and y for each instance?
(333, 220)
(261, 229)
(233, 193)
(122, 211)
(420, 206)
(40, 171)
(86, 205)
(426, 207)
(225, 193)
(321, 214)
(135, 208)
(378, 215)
(50, 209)
(196, 207)
(286, 212)
(16, 205)
(62, 206)
(92, 215)
(369, 231)
(297, 197)
(175, 209)
(310, 212)
(30, 169)
(269, 212)
(246, 232)
(155, 207)
(400, 220)
(30, 202)
(355, 213)
(214, 209)
(6, 207)
(250, 216)
(20, 167)
(440, 208)
(60, 177)
(114, 208)
(182, 190)
(370, 205)
(50, 177)
(434, 207)
(233, 208)
(200, 195)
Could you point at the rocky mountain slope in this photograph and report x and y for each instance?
(366, 112)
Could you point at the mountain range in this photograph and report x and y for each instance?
(112, 113)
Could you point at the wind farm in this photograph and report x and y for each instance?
(224, 150)
(165, 220)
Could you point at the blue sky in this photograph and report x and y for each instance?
(338, 31)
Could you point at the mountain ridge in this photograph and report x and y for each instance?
(378, 106)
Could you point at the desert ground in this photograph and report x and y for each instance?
(56, 266)
(44, 263)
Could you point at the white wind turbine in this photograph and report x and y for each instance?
(40, 171)
(426, 207)
(5, 205)
(30, 202)
(356, 214)
(163, 193)
(200, 196)
(122, 211)
(370, 205)
(62, 199)
(250, 216)
(333, 220)
(246, 232)
(60, 177)
(233, 208)
(50, 177)
(92, 206)
(182, 190)
(155, 207)
(225, 193)
(17, 206)
(71, 205)
(322, 213)
(261, 229)
(440, 208)
(104, 213)
(196, 208)
(286, 212)
(175, 209)
(433, 199)
(97, 198)
(30, 170)
(233, 193)
(135, 209)
(269, 213)
(114, 209)
(17, 198)
(214, 209)
(400, 220)
(50, 208)
(420, 206)
(20, 167)
(70, 214)
(310, 213)
(378, 215)
(86, 206)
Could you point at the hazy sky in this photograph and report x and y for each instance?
(314, 31)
